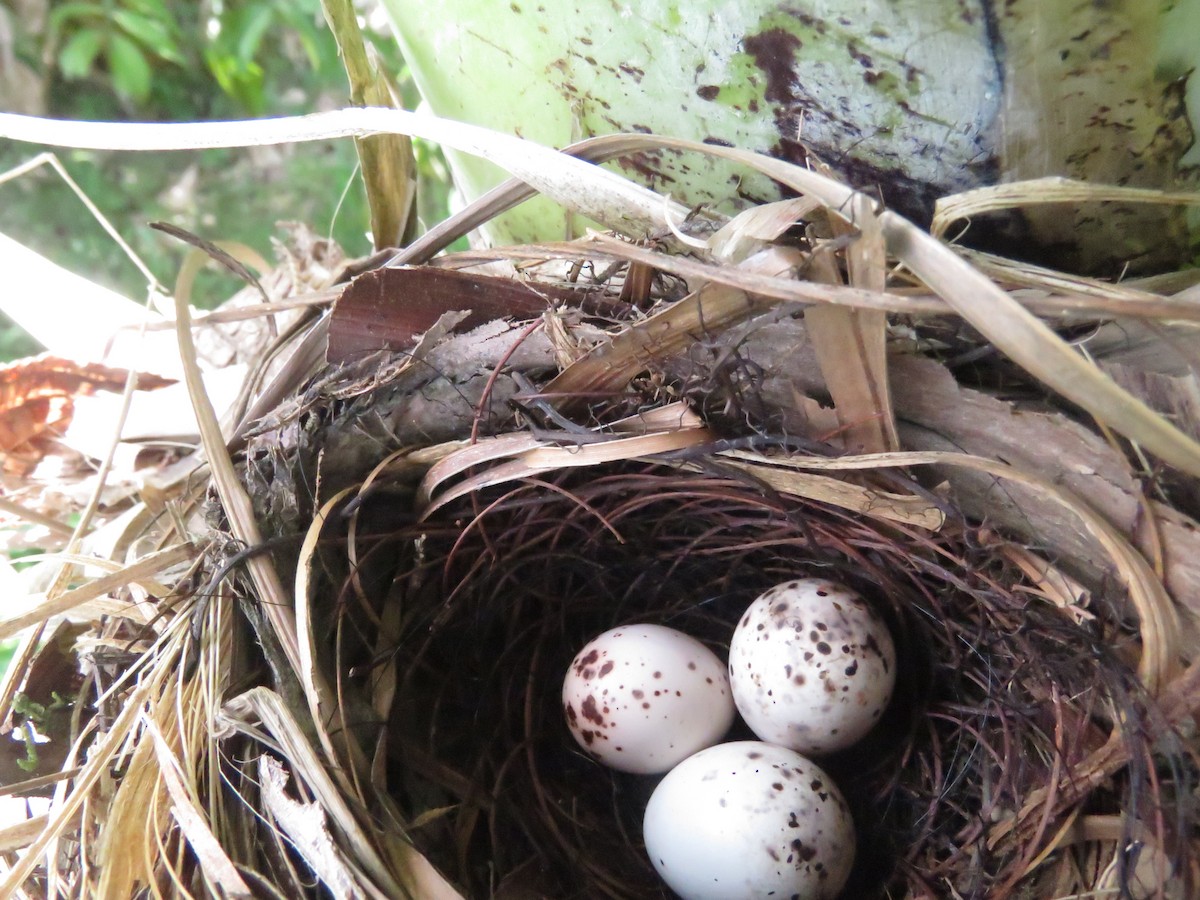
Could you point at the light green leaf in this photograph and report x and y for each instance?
(305, 31)
(154, 9)
(153, 34)
(70, 12)
(253, 27)
(77, 56)
(129, 68)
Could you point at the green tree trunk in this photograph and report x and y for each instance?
(912, 98)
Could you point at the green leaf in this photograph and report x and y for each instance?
(305, 31)
(153, 34)
(129, 68)
(251, 31)
(153, 9)
(70, 12)
(77, 56)
(8, 649)
(243, 81)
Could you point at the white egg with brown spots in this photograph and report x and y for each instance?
(749, 819)
(640, 698)
(812, 666)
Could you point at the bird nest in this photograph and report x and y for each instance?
(335, 662)
(966, 786)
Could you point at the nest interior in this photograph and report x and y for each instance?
(477, 612)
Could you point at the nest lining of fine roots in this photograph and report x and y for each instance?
(999, 693)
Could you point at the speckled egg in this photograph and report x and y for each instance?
(640, 698)
(749, 819)
(811, 666)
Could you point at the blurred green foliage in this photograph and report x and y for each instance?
(154, 60)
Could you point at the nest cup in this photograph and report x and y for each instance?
(477, 611)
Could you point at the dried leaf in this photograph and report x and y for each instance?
(547, 458)
(752, 229)
(218, 869)
(1040, 191)
(610, 365)
(389, 308)
(890, 507)
(37, 401)
(587, 190)
(148, 565)
(851, 344)
(304, 824)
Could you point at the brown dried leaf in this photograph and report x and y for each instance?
(1039, 192)
(851, 344)
(891, 507)
(547, 458)
(218, 869)
(610, 365)
(386, 309)
(36, 402)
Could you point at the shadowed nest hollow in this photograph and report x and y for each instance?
(477, 611)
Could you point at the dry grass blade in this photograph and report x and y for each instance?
(767, 290)
(234, 499)
(63, 814)
(32, 515)
(763, 291)
(304, 824)
(1124, 299)
(20, 834)
(583, 188)
(262, 707)
(136, 813)
(105, 584)
(866, 258)
(322, 700)
(851, 350)
(545, 458)
(1158, 618)
(451, 460)
(1040, 191)
(902, 508)
(219, 872)
(611, 364)
(851, 344)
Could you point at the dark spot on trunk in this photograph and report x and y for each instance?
(774, 51)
